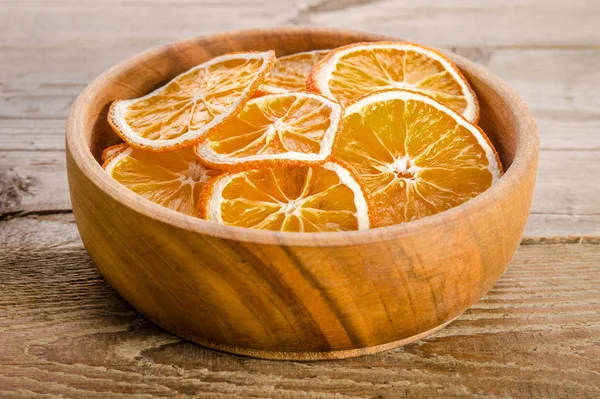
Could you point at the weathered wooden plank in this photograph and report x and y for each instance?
(565, 199)
(557, 84)
(569, 132)
(129, 22)
(33, 181)
(567, 183)
(554, 82)
(465, 23)
(557, 228)
(63, 331)
(32, 135)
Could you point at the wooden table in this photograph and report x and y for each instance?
(64, 332)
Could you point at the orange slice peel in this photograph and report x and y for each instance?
(112, 151)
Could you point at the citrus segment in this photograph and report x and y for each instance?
(357, 69)
(415, 156)
(171, 179)
(190, 106)
(281, 128)
(290, 72)
(300, 199)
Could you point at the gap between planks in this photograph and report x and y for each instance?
(535, 233)
(493, 22)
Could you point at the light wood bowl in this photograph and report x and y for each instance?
(302, 296)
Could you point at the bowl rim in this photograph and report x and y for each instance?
(526, 152)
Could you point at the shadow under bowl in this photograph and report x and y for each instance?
(301, 296)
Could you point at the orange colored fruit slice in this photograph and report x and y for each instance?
(301, 199)
(190, 106)
(290, 72)
(357, 69)
(415, 156)
(286, 129)
(113, 150)
(171, 179)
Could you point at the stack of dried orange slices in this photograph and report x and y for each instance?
(362, 136)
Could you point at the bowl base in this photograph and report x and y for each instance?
(312, 356)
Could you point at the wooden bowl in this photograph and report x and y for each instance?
(301, 296)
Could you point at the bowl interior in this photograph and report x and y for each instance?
(150, 70)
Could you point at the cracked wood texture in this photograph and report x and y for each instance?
(65, 333)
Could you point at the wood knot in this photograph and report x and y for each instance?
(12, 189)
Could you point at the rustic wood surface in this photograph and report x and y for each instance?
(65, 332)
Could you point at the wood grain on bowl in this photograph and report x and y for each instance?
(294, 295)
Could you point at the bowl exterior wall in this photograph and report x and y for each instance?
(228, 293)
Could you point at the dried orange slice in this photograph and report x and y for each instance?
(300, 199)
(354, 70)
(415, 156)
(113, 150)
(290, 72)
(190, 106)
(171, 179)
(292, 128)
